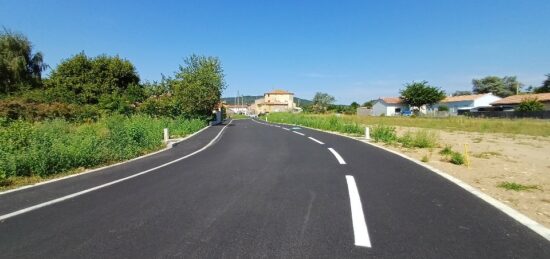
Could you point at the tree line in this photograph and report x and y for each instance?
(82, 87)
(417, 94)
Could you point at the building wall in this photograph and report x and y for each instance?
(486, 100)
(280, 98)
(381, 107)
(273, 103)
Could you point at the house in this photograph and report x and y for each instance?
(390, 106)
(464, 103)
(236, 108)
(511, 102)
(275, 101)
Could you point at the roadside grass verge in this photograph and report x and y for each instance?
(532, 127)
(238, 116)
(511, 186)
(327, 122)
(33, 151)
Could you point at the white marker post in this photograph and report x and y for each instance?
(367, 133)
(166, 136)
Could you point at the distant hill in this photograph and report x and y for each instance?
(249, 99)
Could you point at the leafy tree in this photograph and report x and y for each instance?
(354, 105)
(460, 93)
(321, 101)
(530, 105)
(418, 94)
(20, 68)
(369, 104)
(545, 87)
(502, 87)
(198, 85)
(443, 108)
(82, 79)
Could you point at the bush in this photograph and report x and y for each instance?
(530, 105)
(457, 158)
(54, 146)
(446, 151)
(443, 108)
(384, 133)
(419, 139)
(20, 109)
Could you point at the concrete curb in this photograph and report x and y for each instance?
(169, 145)
(519, 217)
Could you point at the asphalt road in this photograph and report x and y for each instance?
(261, 191)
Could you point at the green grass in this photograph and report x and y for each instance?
(457, 158)
(533, 127)
(511, 186)
(383, 133)
(452, 156)
(326, 122)
(42, 149)
(446, 151)
(419, 139)
(238, 116)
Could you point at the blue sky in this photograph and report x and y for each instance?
(354, 50)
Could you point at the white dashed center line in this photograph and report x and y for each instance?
(338, 157)
(360, 231)
(299, 133)
(316, 140)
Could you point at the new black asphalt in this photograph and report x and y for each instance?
(262, 191)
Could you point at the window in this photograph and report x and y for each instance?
(397, 110)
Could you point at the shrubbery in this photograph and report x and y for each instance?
(49, 147)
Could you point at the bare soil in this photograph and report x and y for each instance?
(495, 158)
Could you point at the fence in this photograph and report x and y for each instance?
(510, 114)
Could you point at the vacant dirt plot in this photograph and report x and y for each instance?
(497, 158)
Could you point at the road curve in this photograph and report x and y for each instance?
(268, 191)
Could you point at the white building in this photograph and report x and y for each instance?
(464, 103)
(389, 106)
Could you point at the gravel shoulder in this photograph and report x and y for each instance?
(493, 159)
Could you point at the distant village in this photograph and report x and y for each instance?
(283, 101)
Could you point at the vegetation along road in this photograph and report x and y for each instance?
(249, 188)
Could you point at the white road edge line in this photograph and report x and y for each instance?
(516, 215)
(286, 129)
(299, 133)
(103, 167)
(44, 204)
(316, 140)
(338, 157)
(360, 230)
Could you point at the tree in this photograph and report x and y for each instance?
(321, 101)
(354, 106)
(198, 85)
(369, 104)
(85, 80)
(443, 108)
(502, 87)
(419, 94)
(530, 105)
(460, 93)
(20, 68)
(545, 87)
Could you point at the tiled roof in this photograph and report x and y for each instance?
(462, 98)
(392, 100)
(278, 91)
(272, 103)
(516, 99)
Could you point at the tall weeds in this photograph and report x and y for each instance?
(49, 147)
